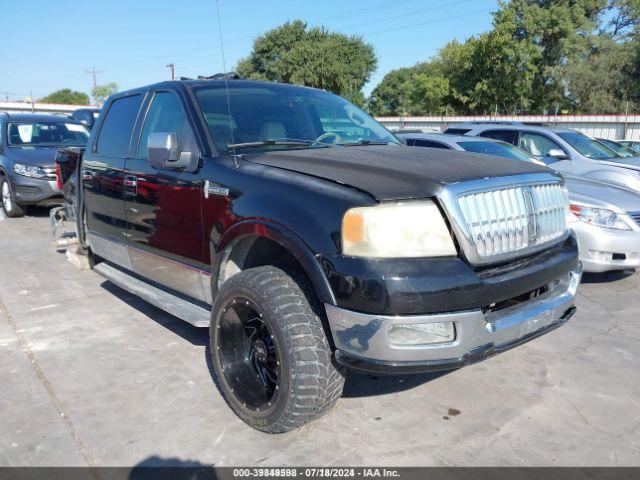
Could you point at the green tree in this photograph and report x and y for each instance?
(66, 96)
(389, 97)
(315, 57)
(563, 30)
(601, 81)
(428, 94)
(101, 92)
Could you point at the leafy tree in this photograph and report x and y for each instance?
(101, 92)
(389, 98)
(598, 83)
(293, 53)
(428, 94)
(66, 96)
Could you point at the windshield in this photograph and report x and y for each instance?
(46, 134)
(262, 117)
(619, 149)
(499, 149)
(587, 146)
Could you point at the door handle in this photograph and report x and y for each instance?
(131, 184)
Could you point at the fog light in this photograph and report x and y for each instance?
(601, 256)
(422, 333)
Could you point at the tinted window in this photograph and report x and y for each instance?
(167, 116)
(499, 149)
(429, 143)
(117, 126)
(538, 145)
(619, 149)
(509, 136)
(587, 146)
(457, 131)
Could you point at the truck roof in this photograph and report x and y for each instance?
(37, 117)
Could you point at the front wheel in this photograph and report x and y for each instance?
(9, 206)
(270, 353)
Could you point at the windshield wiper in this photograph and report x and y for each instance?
(270, 141)
(364, 142)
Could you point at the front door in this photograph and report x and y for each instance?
(163, 207)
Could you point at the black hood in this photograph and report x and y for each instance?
(394, 172)
(40, 157)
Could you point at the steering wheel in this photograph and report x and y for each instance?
(336, 138)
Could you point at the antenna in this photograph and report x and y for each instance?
(226, 85)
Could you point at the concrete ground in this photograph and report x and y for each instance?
(91, 375)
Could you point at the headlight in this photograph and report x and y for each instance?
(599, 217)
(396, 230)
(28, 170)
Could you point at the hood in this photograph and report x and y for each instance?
(632, 163)
(40, 157)
(602, 195)
(389, 172)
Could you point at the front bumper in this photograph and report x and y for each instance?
(362, 340)
(35, 191)
(603, 249)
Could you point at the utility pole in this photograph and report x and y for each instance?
(173, 71)
(93, 73)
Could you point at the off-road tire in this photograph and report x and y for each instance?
(16, 210)
(311, 382)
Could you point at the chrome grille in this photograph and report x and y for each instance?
(502, 221)
(635, 216)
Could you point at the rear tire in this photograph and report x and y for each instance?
(9, 206)
(271, 357)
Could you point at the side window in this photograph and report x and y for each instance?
(166, 115)
(115, 132)
(537, 144)
(509, 136)
(429, 143)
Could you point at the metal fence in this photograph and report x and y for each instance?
(614, 127)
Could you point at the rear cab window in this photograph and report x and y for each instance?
(115, 132)
(509, 136)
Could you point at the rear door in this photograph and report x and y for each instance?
(164, 206)
(102, 179)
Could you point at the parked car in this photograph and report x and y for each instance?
(567, 151)
(605, 217)
(309, 239)
(617, 147)
(28, 144)
(632, 144)
(464, 143)
(86, 116)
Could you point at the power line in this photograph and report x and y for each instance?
(430, 22)
(415, 12)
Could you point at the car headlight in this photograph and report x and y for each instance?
(396, 230)
(28, 170)
(599, 217)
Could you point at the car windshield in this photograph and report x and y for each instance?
(46, 134)
(588, 147)
(265, 117)
(499, 149)
(619, 149)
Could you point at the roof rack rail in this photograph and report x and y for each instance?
(221, 76)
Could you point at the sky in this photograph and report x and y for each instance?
(48, 45)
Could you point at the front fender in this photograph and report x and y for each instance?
(285, 238)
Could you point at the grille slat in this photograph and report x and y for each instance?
(499, 221)
(635, 216)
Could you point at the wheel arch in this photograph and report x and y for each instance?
(253, 243)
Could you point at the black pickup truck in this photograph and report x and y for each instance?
(309, 239)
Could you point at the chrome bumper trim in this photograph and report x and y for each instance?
(367, 335)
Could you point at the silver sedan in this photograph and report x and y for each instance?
(605, 217)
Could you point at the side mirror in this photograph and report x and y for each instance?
(557, 154)
(163, 152)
